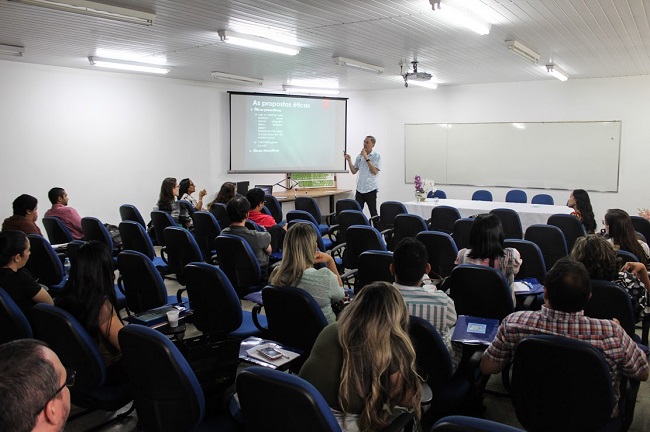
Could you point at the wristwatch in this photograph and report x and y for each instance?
(368, 160)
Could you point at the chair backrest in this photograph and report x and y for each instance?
(166, 393)
(215, 305)
(442, 251)
(550, 240)
(608, 301)
(206, 229)
(641, 225)
(462, 229)
(346, 219)
(510, 221)
(12, 320)
(571, 381)
(482, 195)
(432, 358)
(72, 343)
(532, 260)
(238, 262)
(516, 196)
(542, 199)
(406, 225)
(480, 291)
(181, 250)
(44, 263)
(309, 205)
(187, 206)
(274, 206)
(143, 286)
(94, 229)
(135, 238)
(438, 193)
(457, 423)
(374, 266)
(294, 215)
(626, 256)
(571, 228)
(220, 212)
(443, 218)
(129, 212)
(73, 250)
(296, 405)
(361, 238)
(294, 318)
(56, 230)
(346, 204)
(160, 221)
(388, 210)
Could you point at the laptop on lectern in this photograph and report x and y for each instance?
(268, 189)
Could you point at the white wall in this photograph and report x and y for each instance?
(111, 138)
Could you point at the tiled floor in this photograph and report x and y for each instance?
(497, 408)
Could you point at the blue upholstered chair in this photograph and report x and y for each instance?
(571, 227)
(374, 265)
(388, 210)
(510, 221)
(545, 199)
(167, 394)
(360, 238)
(238, 262)
(161, 220)
(45, 264)
(462, 229)
(13, 322)
(301, 215)
(532, 265)
(442, 251)
(516, 196)
(215, 304)
(346, 219)
(56, 230)
(550, 240)
(206, 229)
(482, 195)
(181, 250)
(443, 218)
(459, 423)
(641, 225)
(439, 193)
(79, 352)
(310, 205)
(129, 212)
(94, 229)
(275, 207)
(135, 238)
(221, 213)
(406, 225)
(480, 291)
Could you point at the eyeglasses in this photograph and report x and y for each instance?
(70, 378)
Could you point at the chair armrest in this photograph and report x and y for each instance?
(163, 254)
(404, 422)
(345, 277)
(374, 220)
(254, 313)
(120, 285)
(336, 250)
(329, 217)
(179, 294)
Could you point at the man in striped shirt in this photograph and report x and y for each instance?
(410, 265)
(567, 290)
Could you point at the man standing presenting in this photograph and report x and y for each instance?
(33, 388)
(368, 164)
(566, 292)
(60, 209)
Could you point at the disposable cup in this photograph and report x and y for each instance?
(172, 317)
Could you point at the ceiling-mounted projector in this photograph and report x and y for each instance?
(415, 75)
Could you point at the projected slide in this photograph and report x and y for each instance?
(277, 133)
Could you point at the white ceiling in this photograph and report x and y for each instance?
(586, 38)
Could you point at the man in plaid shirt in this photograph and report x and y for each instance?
(567, 290)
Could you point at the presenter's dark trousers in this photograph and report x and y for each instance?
(369, 198)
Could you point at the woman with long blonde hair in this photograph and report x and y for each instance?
(299, 254)
(364, 364)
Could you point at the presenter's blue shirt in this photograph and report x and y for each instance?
(367, 181)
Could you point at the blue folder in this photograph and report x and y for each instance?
(475, 330)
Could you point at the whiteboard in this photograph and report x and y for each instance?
(543, 155)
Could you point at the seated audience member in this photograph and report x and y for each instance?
(238, 209)
(581, 204)
(255, 197)
(68, 215)
(14, 277)
(599, 258)
(410, 265)
(33, 388)
(226, 193)
(89, 296)
(167, 203)
(487, 248)
(186, 190)
(364, 364)
(24, 217)
(299, 254)
(621, 234)
(567, 289)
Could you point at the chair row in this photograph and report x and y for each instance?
(514, 196)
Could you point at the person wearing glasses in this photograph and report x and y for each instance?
(33, 387)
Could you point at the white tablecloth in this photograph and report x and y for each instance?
(529, 214)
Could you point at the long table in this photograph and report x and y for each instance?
(291, 195)
(529, 214)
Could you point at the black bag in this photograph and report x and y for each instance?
(114, 231)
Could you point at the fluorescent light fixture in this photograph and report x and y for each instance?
(250, 41)
(222, 76)
(461, 18)
(523, 50)
(307, 90)
(519, 126)
(557, 72)
(95, 9)
(12, 50)
(426, 84)
(358, 64)
(127, 65)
